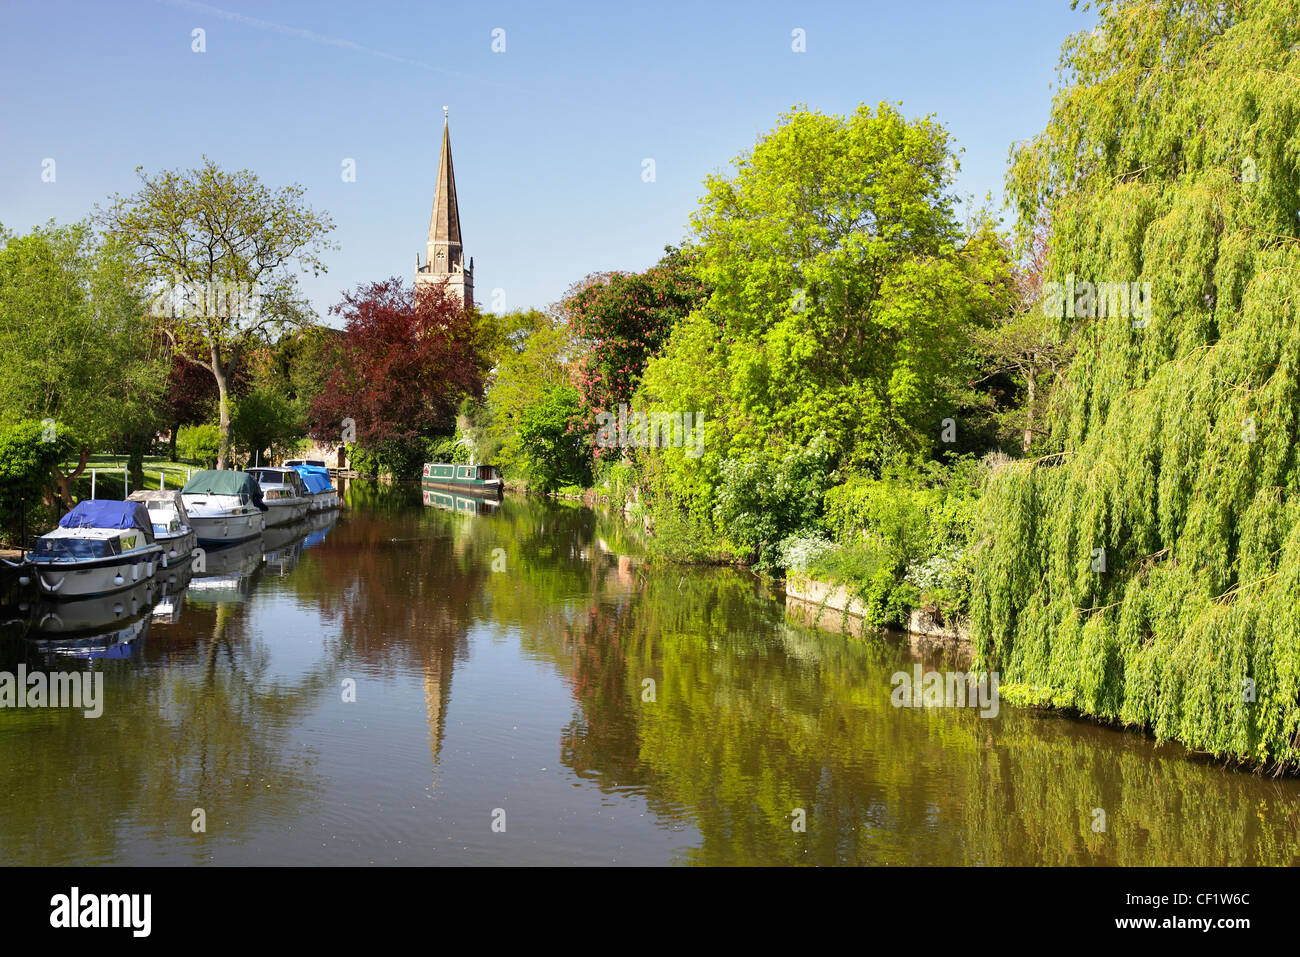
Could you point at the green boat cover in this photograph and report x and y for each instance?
(224, 482)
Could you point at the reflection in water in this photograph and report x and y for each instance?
(227, 574)
(527, 658)
(451, 502)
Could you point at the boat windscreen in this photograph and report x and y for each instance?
(74, 549)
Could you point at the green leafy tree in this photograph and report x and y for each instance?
(297, 365)
(552, 440)
(843, 299)
(1144, 569)
(79, 347)
(505, 334)
(843, 288)
(535, 363)
(265, 421)
(222, 251)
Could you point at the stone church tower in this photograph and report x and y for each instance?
(445, 260)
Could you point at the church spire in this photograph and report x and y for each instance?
(445, 259)
(444, 224)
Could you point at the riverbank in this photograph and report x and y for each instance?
(833, 608)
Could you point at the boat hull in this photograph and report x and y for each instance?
(490, 488)
(59, 621)
(65, 580)
(285, 513)
(227, 529)
(324, 501)
(177, 549)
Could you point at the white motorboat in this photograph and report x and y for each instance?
(224, 507)
(171, 525)
(285, 496)
(316, 479)
(100, 547)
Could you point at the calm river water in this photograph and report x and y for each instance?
(499, 665)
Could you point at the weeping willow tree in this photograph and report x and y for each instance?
(1145, 566)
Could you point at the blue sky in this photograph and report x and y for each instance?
(548, 137)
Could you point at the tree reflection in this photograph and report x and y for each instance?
(755, 716)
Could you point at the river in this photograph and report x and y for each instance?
(404, 684)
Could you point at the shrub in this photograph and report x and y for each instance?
(27, 463)
(762, 499)
(398, 458)
(904, 537)
(618, 479)
(796, 552)
(874, 576)
(199, 443)
(446, 449)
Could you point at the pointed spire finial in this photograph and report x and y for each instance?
(444, 114)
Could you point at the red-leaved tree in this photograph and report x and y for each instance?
(623, 320)
(406, 359)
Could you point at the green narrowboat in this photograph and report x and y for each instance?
(482, 480)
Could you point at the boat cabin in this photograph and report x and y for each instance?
(278, 483)
(80, 544)
(166, 510)
(447, 472)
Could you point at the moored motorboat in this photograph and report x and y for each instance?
(171, 525)
(285, 496)
(224, 506)
(99, 547)
(316, 479)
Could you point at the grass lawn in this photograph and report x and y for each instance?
(109, 479)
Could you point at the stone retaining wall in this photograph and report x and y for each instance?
(833, 608)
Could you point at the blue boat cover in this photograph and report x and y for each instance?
(105, 513)
(314, 481)
(315, 472)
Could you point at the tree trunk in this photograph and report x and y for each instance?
(171, 444)
(223, 406)
(135, 459)
(1029, 412)
(61, 492)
